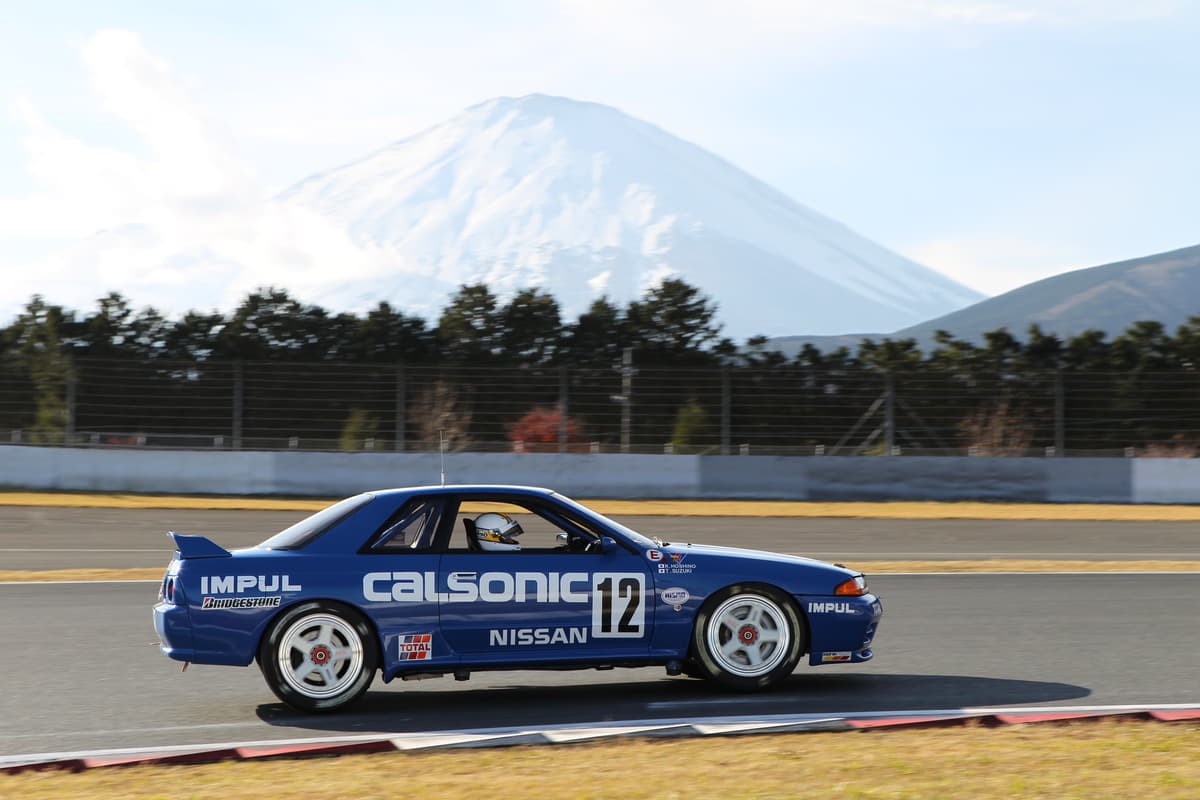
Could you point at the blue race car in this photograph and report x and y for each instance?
(441, 580)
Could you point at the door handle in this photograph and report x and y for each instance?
(464, 574)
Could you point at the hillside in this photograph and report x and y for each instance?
(1164, 287)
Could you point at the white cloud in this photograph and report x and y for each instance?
(181, 225)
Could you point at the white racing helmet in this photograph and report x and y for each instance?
(496, 533)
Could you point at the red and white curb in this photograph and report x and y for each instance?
(507, 737)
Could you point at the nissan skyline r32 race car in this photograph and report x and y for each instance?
(450, 580)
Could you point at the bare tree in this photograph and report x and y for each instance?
(997, 428)
(440, 413)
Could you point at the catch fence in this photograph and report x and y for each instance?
(732, 410)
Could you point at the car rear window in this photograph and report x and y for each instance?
(309, 528)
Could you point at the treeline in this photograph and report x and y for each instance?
(277, 370)
(671, 324)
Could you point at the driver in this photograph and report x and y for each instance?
(496, 533)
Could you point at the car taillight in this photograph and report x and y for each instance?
(167, 590)
(852, 587)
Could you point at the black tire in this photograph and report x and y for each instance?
(319, 656)
(748, 637)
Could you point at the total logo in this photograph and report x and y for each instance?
(240, 584)
(415, 646)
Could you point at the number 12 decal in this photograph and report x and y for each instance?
(618, 610)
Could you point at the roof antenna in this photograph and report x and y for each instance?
(442, 449)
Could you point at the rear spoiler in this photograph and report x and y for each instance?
(196, 546)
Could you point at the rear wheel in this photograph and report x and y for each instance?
(748, 637)
(319, 656)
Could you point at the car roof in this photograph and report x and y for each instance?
(467, 488)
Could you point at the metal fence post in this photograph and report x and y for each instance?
(1060, 427)
(889, 419)
(726, 408)
(69, 422)
(627, 373)
(562, 409)
(238, 400)
(401, 401)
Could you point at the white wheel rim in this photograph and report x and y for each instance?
(748, 635)
(320, 655)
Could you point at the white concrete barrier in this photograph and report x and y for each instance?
(1146, 480)
(1165, 480)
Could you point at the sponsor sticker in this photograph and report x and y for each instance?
(832, 608)
(210, 603)
(618, 599)
(240, 584)
(835, 655)
(674, 564)
(524, 637)
(415, 646)
(675, 596)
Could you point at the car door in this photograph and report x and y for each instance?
(399, 578)
(556, 599)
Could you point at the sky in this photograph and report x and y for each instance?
(996, 142)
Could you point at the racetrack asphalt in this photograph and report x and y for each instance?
(86, 673)
(46, 538)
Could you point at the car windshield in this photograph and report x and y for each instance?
(309, 528)
(632, 535)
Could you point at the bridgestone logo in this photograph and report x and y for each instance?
(240, 602)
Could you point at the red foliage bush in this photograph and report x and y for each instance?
(538, 432)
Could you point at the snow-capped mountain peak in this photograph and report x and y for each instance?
(582, 200)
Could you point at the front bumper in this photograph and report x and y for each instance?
(841, 629)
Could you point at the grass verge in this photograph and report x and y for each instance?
(1108, 759)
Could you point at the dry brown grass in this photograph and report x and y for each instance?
(1107, 759)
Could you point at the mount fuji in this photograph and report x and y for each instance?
(582, 201)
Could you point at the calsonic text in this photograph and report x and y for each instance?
(529, 636)
(488, 587)
(239, 584)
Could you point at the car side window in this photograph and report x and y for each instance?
(541, 532)
(411, 530)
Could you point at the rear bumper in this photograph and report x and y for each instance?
(174, 631)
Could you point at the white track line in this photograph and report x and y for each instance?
(595, 730)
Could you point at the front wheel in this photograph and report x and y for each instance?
(319, 657)
(747, 638)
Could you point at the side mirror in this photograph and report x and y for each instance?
(605, 544)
